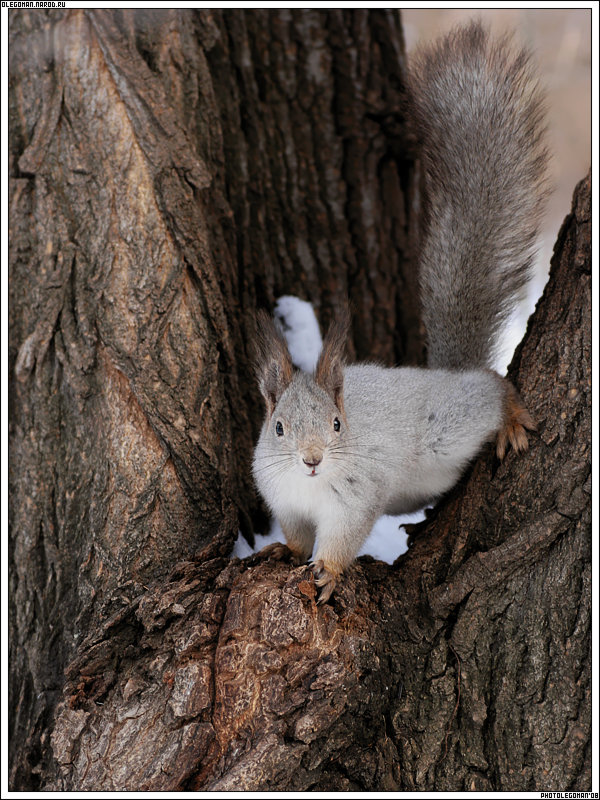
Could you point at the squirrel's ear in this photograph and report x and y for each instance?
(272, 360)
(329, 372)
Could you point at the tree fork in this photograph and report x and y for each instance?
(164, 181)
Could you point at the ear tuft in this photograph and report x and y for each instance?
(272, 360)
(329, 373)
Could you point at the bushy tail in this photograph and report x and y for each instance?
(480, 117)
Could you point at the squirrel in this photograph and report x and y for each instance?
(340, 447)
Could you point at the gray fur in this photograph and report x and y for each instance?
(479, 114)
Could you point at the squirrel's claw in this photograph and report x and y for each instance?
(516, 420)
(325, 579)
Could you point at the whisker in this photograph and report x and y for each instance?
(339, 455)
(347, 440)
(276, 463)
(278, 454)
(279, 462)
(280, 465)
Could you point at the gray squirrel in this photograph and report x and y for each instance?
(343, 446)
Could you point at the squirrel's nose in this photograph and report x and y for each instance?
(313, 461)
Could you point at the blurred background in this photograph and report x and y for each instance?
(561, 43)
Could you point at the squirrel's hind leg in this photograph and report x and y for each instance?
(516, 420)
(299, 539)
(283, 552)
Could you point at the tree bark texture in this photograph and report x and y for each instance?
(170, 172)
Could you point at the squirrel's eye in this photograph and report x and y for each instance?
(336, 424)
(279, 429)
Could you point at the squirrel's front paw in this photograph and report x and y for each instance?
(516, 419)
(283, 552)
(325, 579)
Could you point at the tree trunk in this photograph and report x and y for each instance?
(170, 172)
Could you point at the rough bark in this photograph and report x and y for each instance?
(178, 170)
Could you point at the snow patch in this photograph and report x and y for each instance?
(301, 330)
(388, 539)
